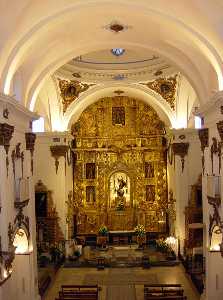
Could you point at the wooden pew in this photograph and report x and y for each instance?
(166, 298)
(79, 292)
(163, 291)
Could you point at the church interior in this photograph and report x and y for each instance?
(111, 136)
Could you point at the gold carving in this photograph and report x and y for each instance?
(70, 90)
(166, 87)
(133, 152)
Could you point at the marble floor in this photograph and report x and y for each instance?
(116, 283)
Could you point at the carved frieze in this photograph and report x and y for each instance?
(70, 90)
(6, 132)
(180, 149)
(30, 144)
(166, 87)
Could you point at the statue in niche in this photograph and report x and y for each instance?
(118, 115)
(120, 191)
(149, 170)
(150, 193)
(90, 170)
(90, 195)
(121, 184)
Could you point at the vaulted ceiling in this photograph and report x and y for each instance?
(39, 41)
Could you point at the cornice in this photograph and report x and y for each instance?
(16, 106)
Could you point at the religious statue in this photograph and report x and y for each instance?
(149, 170)
(90, 170)
(120, 199)
(150, 193)
(90, 195)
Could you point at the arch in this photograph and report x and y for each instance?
(202, 43)
(184, 65)
(134, 90)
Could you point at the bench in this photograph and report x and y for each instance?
(78, 292)
(163, 291)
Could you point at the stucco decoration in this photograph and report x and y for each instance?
(70, 90)
(166, 87)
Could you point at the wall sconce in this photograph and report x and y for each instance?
(58, 151)
(6, 259)
(215, 226)
(21, 242)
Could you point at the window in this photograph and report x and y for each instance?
(197, 122)
(38, 125)
(117, 51)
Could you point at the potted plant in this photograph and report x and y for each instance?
(141, 234)
(102, 236)
(103, 230)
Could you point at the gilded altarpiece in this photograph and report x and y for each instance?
(120, 173)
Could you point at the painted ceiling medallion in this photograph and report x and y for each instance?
(70, 90)
(116, 27)
(166, 87)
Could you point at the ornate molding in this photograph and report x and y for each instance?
(57, 151)
(6, 132)
(166, 87)
(30, 145)
(70, 91)
(204, 139)
(181, 149)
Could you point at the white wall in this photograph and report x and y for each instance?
(180, 181)
(24, 266)
(61, 183)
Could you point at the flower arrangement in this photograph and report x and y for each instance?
(162, 245)
(103, 230)
(140, 230)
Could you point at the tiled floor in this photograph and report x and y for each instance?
(156, 274)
